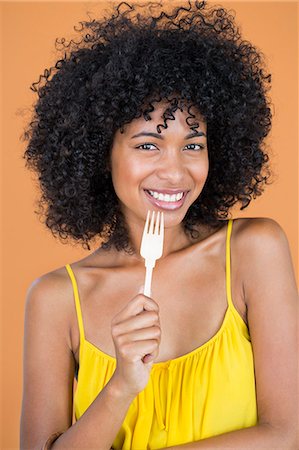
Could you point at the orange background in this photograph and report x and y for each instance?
(28, 249)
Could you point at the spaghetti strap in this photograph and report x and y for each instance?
(77, 301)
(228, 263)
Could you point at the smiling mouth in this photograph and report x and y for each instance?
(164, 204)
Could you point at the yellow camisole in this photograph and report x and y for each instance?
(206, 392)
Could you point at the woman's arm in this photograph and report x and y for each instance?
(260, 437)
(272, 301)
(49, 374)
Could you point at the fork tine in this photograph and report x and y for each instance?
(162, 225)
(151, 230)
(146, 223)
(157, 224)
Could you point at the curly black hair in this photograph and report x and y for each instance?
(118, 69)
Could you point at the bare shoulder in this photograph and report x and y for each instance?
(50, 295)
(52, 285)
(257, 236)
(251, 229)
(262, 242)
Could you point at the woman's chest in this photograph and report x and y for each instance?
(192, 305)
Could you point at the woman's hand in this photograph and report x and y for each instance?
(136, 335)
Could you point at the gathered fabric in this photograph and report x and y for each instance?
(206, 392)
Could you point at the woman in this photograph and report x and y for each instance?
(149, 105)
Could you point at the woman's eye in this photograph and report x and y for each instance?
(201, 147)
(145, 145)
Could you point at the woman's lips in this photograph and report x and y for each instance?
(166, 205)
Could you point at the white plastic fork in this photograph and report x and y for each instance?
(151, 247)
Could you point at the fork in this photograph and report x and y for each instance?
(151, 247)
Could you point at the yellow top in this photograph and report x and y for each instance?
(206, 392)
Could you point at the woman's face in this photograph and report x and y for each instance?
(175, 160)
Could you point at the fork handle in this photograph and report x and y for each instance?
(149, 265)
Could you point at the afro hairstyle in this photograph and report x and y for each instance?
(115, 72)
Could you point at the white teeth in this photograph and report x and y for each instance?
(167, 197)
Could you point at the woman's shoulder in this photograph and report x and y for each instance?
(86, 273)
(259, 241)
(261, 231)
(49, 283)
(252, 236)
(57, 281)
(49, 296)
(257, 221)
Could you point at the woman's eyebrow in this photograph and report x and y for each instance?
(148, 133)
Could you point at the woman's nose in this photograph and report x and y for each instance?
(171, 167)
